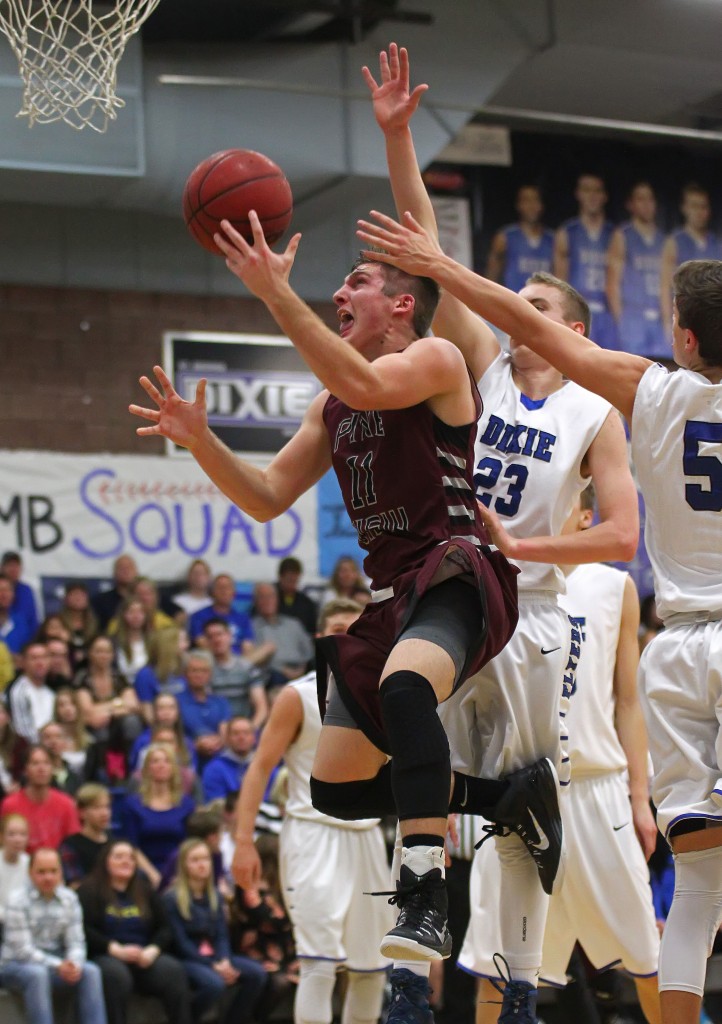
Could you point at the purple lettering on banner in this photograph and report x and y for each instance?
(164, 540)
(235, 520)
(207, 530)
(85, 498)
(281, 551)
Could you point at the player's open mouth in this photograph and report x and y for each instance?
(345, 322)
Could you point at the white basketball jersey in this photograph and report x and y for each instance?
(677, 454)
(593, 602)
(528, 459)
(299, 761)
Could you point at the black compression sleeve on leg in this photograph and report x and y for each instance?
(349, 801)
(476, 796)
(420, 767)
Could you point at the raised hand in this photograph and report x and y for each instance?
(180, 421)
(394, 105)
(406, 245)
(260, 268)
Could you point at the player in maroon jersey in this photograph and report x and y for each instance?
(397, 423)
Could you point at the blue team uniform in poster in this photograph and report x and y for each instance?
(640, 327)
(588, 274)
(525, 257)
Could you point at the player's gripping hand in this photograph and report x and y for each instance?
(394, 105)
(263, 271)
(181, 422)
(405, 245)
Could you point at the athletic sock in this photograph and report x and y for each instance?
(422, 968)
(421, 858)
(476, 796)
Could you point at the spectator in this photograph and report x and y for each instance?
(155, 818)
(24, 603)
(204, 714)
(204, 823)
(166, 734)
(346, 577)
(196, 594)
(50, 814)
(166, 713)
(61, 669)
(30, 699)
(224, 773)
(79, 619)
(13, 750)
(234, 677)
(261, 928)
(15, 630)
(53, 627)
(223, 592)
(79, 852)
(106, 603)
(108, 704)
(164, 671)
(293, 646)
(147, 593)
(129, 937)
(44, 945)
(64, 778)
(14, 859)
(7, 666)
(201, 941)
(361, 595)
(69, 717)
(291, 600)
(131, 631)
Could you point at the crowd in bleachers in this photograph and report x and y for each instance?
(128, 718)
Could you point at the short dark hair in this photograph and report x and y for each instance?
(204, 822)
(425, 291)
(289, 564)
(10, 556)
(697, 286)
(576, 307)
(693, 188)
(216, 621)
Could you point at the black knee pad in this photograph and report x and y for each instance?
(420, 767)
(349, 801)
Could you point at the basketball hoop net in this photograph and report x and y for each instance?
(68, 56)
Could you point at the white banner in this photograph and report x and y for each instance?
(72, 515)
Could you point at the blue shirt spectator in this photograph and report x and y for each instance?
(224, 773)
(204, 715)
(223, 592)
(15, 629)
(24, 606)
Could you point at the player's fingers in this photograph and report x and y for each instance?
(233, 240)
(151, 390)
(411, 221)
(403, 66)
(394, 63)
(377, 231)
(164, 380)
(259, 239)
(378, 257)
(385, 221)
(369, 79)
(147, 431)
(146, 414)
(293, 245)
(201, 392)
(415, 97)
(384, 67)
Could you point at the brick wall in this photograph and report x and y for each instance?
(71, 359)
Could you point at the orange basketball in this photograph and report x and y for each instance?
(227, 186)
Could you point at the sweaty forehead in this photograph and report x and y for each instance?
(363, 270)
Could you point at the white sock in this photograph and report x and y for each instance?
(421, 859)
(523, 912)
(313, 1002)
(420, 967)
(364, 997)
